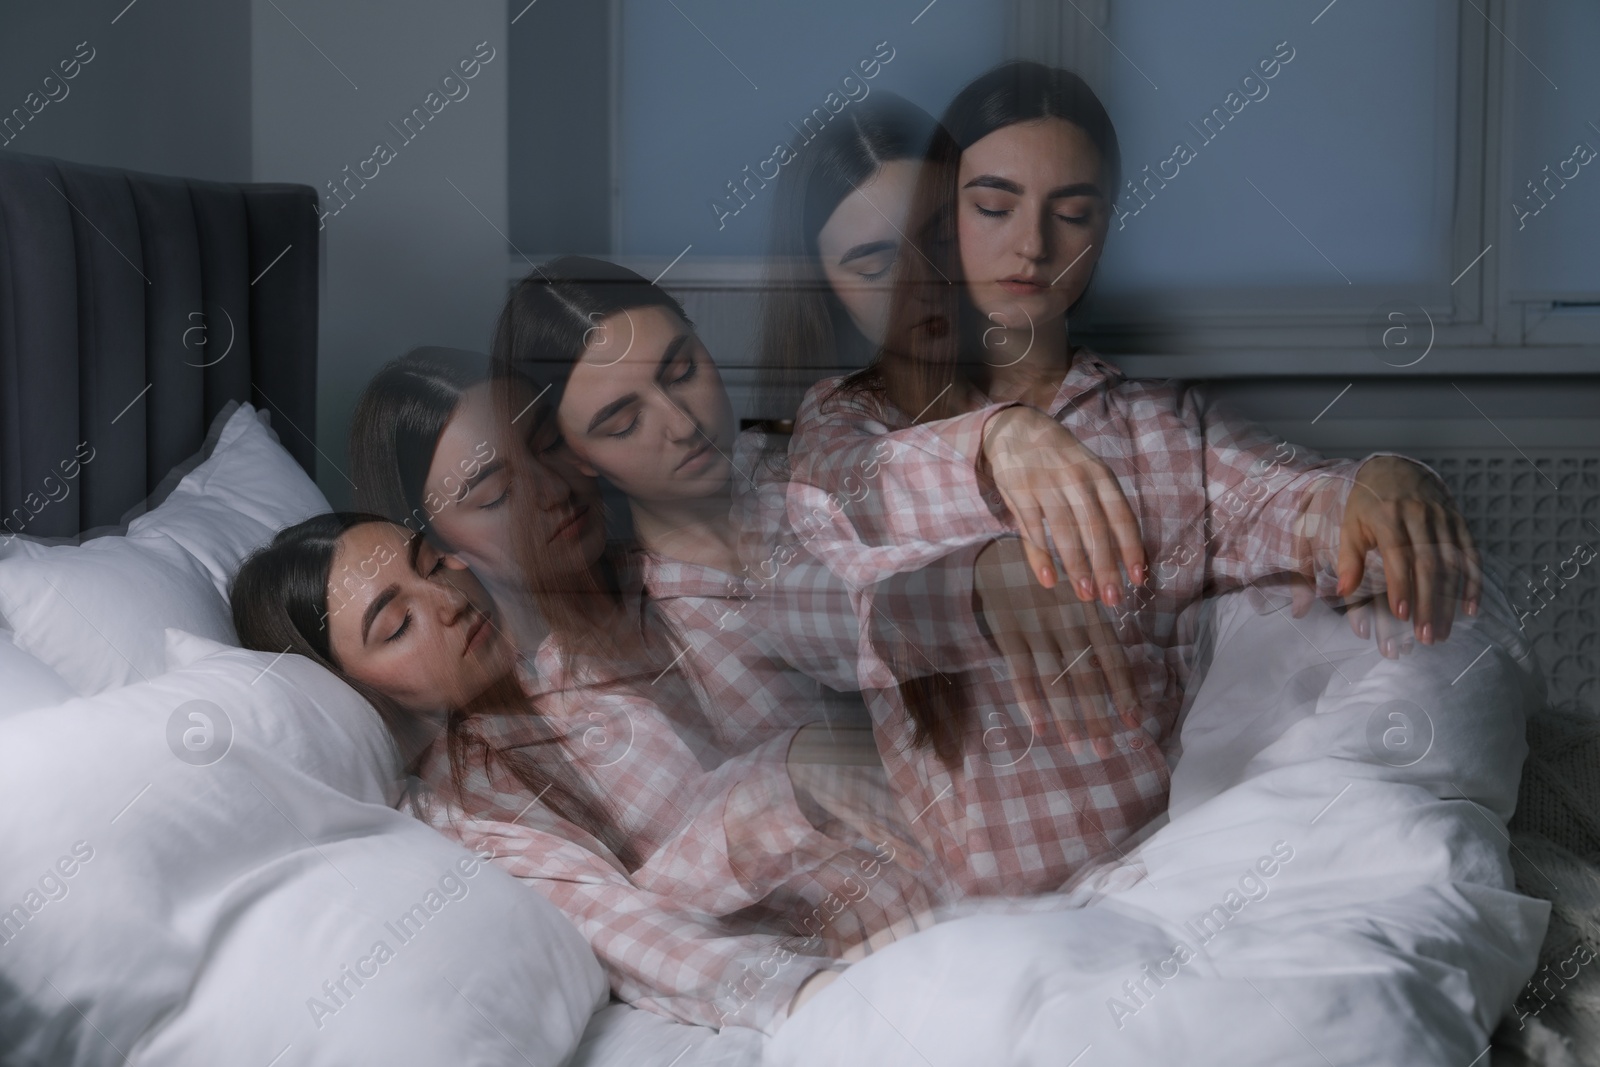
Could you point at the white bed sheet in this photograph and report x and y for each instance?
(1392, 935)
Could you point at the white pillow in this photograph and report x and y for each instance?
(288, 706)
(25, 682)
(192, 911)
(234, 502)
(95, 612)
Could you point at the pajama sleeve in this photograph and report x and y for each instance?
(658, 953)
(1271, 506)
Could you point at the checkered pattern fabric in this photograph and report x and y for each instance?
(1221, 503)
(739, 898)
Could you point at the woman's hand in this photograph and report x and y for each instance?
(1429, 560)
(1048, 479)
(1066, 662)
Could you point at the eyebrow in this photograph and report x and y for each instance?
(472, 483)
(861, 251)
(379, 602)
(667, 356)
(670, 353)
(1006, 185)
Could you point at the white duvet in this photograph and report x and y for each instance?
(1332, 887)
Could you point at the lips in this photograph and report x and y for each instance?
(571, 525)
(1020, 285)
(696, 454)
(476, 633)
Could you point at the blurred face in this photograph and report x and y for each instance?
(470, 486)
(1031, 216)
(410, 622)
(645, 407)
(860, 242)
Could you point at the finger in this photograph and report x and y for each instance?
(1426, 569)
(1124, 526)
(1031, 698)
(1029, 516)
(1089, 702)
(1391, 631)
(1301, 596)
(1095, 531)
(1396, 552)
(1359, 615)
(1453, 575)
(1115, 668)
(1065, 530)
(1069, 704)
(1040, 564)
(1353, 546)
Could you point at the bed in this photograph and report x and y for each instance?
(204, 863)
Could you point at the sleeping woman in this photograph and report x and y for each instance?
(708, 894)
(979, 418)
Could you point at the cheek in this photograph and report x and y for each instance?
(403, 678)
(975, 237)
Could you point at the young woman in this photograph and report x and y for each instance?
(707, 894)
(838, 221)
(982, 418)
(837, 218)
(640, 401)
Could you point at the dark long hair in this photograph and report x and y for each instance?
(280, 602)
(542, 333)
(396, 428)
(929, 359)
(805, 330)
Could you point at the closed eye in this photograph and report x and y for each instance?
(689, 371)
(405, 624)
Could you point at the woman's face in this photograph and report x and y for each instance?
(1031, 216)
(859, 244)
(472, 480)
(645, 407)
(410, 622)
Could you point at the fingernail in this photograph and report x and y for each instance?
(1138, 573)
(1472, 608)
(1402, 609)
(1388, 648)
(1427, 633)
(1086, 589)
(1363, 629)
(1044, 575)
(1112, 596)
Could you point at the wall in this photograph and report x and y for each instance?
(413, 241)
(166, 87)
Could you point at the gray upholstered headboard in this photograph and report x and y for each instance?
(133, 307)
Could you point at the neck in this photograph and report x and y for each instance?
(697, 530)
(1032, 378)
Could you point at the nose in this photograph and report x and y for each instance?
(679, 425)
(1033, 242)
(550, 490)
(452, 604)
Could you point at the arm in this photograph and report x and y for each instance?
(1276, 507)
(657, 953)
(913, 494)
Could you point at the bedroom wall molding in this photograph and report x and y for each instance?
(1273, 346)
